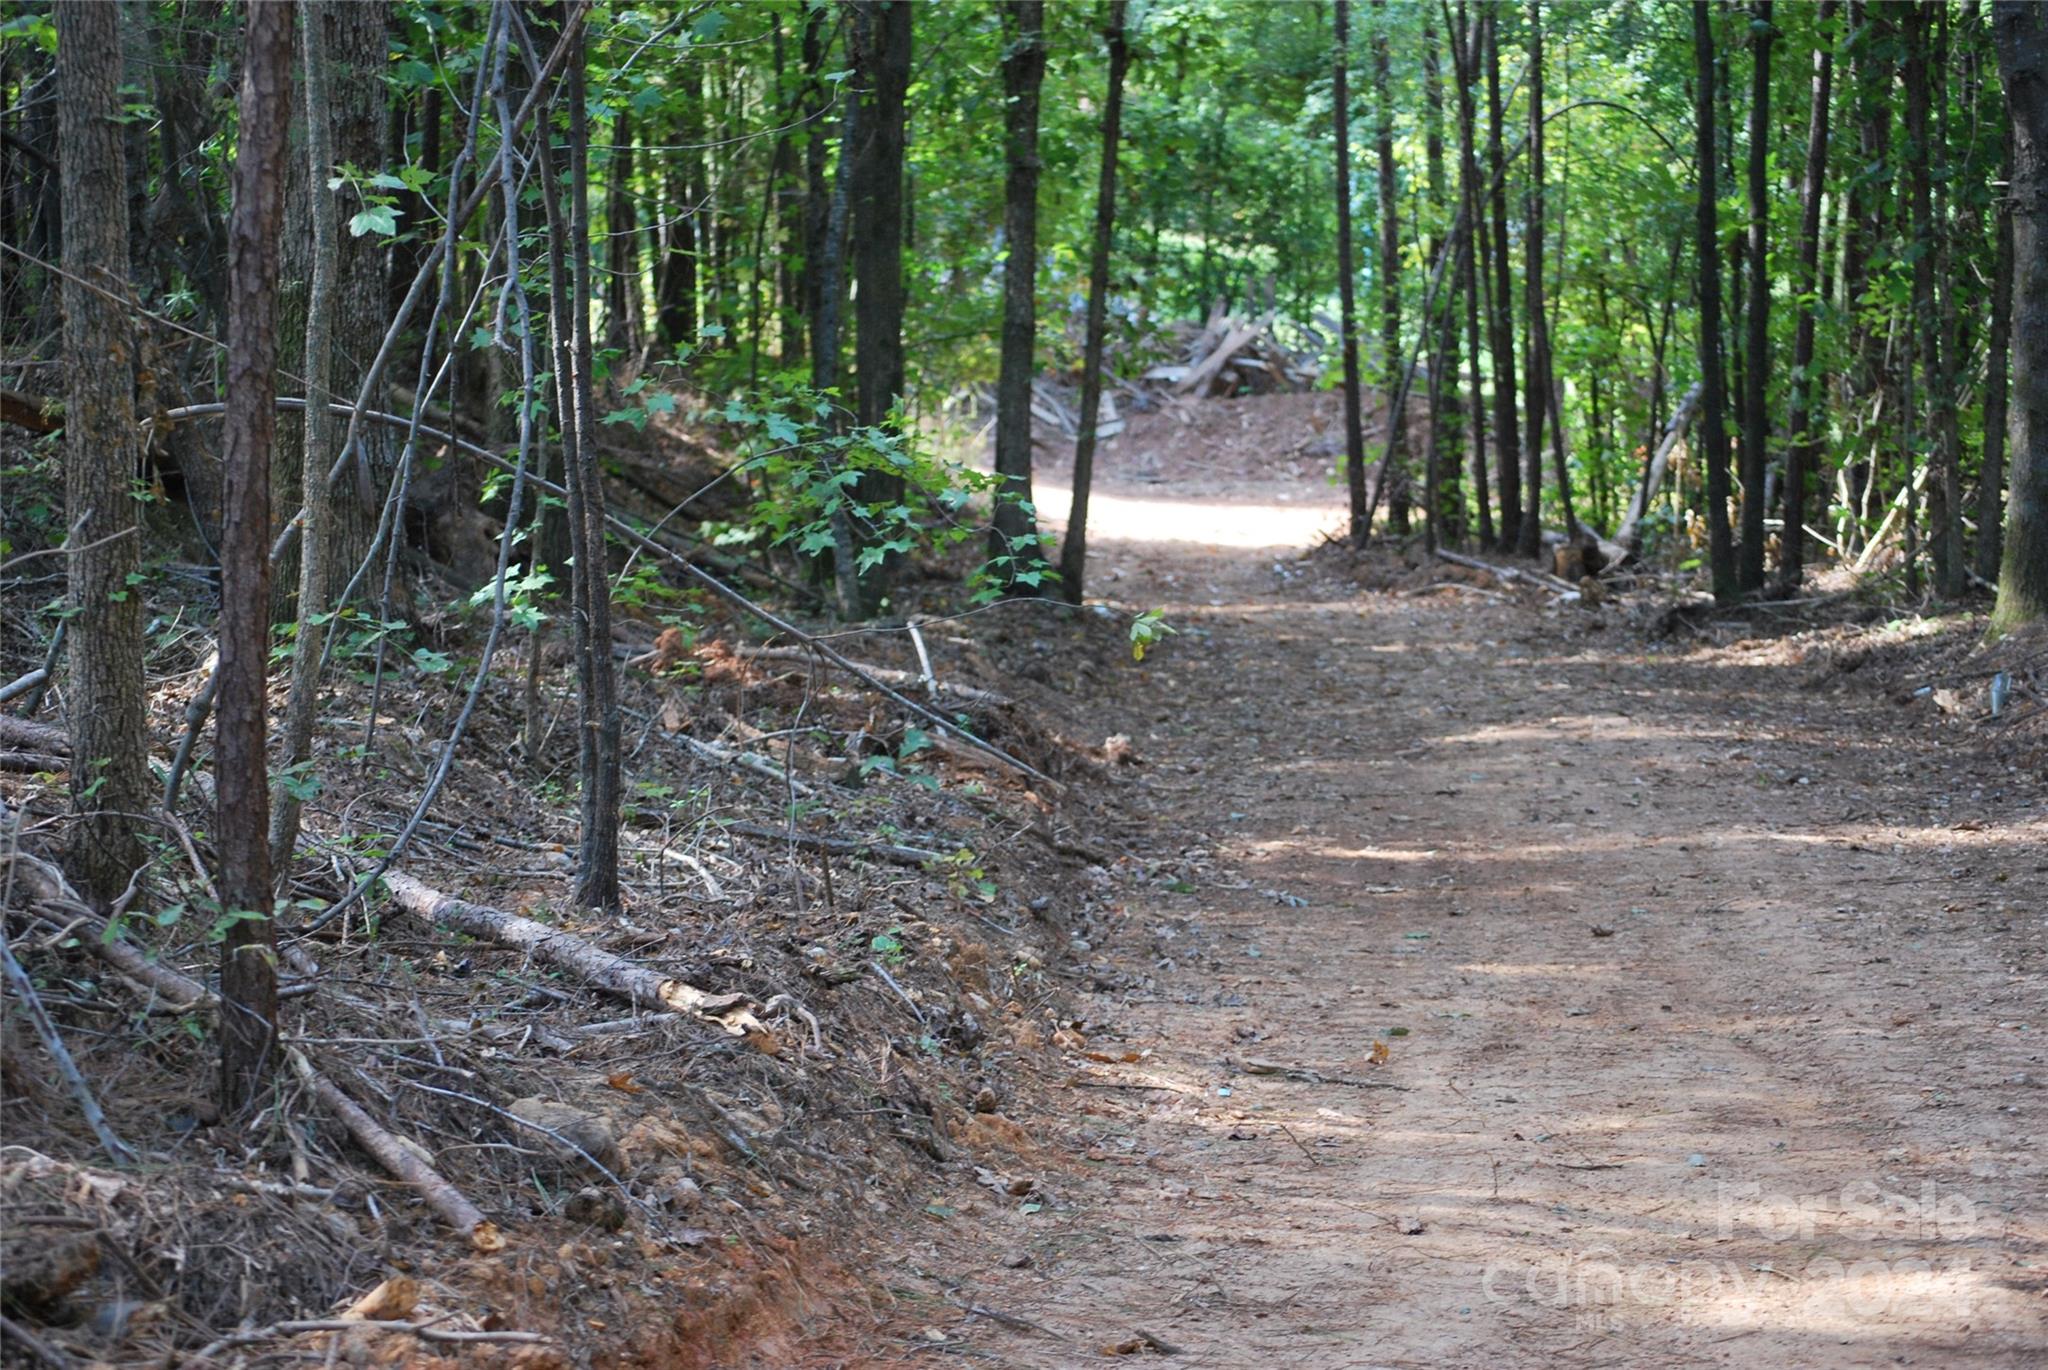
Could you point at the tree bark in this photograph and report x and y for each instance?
(1535, 381)
(109, 740)
(1347, 279)
(1388, 257)
(248, 971)
(1803, 456)
(1015, 534)
(1074, 547)
(1467, 37)
(597, 865)
(322, 433)
(884, 57)
(622, 244)
(1934, 352)
(1756, 358)
(1443, 511)
(1713, 385)
(1507, 443)
(2022, 32)
(1997, 374)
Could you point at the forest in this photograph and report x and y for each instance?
(843, 682)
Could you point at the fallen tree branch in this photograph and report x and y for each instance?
(969, 693)
(401, 1161)
(20, 735)
(39, 1017)
(424, 1331)
(838, 846)
(1509, 573)
(46, 888)
(1653, 474)
(601, 969)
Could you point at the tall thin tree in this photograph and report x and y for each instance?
(1707, 243)
(1506, 437)
(1014, 535)
(1535, 383)
(248, 968)
(1387, 256)
(102, 454)
(1756, 354)
(2022, 33)
(1074, 547)
(1803, 456)
(883, 56)
(1347, 275)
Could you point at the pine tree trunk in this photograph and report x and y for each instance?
(1347, 279)
(1015, 534)
(1756, 355)
(1997, 374)
(1477, 261)
(1803, 457)
(248, 970)
(1507, 444)
(1394, 470)
(1074, 547)
(1535, 383)
(1713, 386)
(884, 57)
(2022, 30)
(102, 455)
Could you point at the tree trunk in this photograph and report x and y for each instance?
(884, 57)
(358, 42)
(1074, 547)
(1756, 419)
(2022, 30)
(1507, 443)
(1713, 386)
(1388, 257)
(1935, 353)
(1444, 513)
(109, 742)
(248, 970)
(322, 434)
(1477, 261)
(1347, 282)
(1535, 383)
(1997, 373)
(597, 866)
(1803, 457)
(622, 244)
(1013, 542)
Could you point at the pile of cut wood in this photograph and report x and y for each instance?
(1228, 354)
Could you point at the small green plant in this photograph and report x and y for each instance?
(965, 879)
(889, 946)
(1147, 630)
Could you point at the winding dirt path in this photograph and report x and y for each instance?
(1713, 1005)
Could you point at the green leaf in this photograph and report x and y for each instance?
(379, 219)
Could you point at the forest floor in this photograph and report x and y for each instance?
(1518, 988)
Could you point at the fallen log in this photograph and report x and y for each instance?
(46, 887)
(838, 846)
(402, 1161)
(1226, 351)
(601, 969)
(21, 735)
(1510, 573)
(1653, 475)
(888, 674)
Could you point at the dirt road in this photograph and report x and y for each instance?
(1712, 1004)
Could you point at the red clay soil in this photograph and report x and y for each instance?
(1510, 991)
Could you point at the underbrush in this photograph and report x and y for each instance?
(883, 907)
